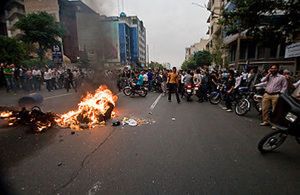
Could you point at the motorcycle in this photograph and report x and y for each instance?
(286, 118)
(252, 99)
(133, 89)
(217, 96)
(197, 88)
(188, 91)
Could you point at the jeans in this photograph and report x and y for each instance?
(48, 85)
(173, 89)
(228, 100)
(36, 83)
(10, 84)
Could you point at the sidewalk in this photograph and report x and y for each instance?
(11, 99)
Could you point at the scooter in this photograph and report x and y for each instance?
(286, 118)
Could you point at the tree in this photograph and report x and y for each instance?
(267, 20)
(199, 59)
(203, 58)
(11, 50)
(218, 51)
(189, 64)
(41, 29)
(154, 65)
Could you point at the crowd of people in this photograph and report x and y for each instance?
(273, 80)
(16, 78)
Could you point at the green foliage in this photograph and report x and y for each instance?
(217, 52)
(203, 58)
(189, 65)
(40, 28)
(154, 65)
(29, 63)
(199, 59)
(11, 50)
(267, 20)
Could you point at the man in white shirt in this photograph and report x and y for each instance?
(37, 76)
(47, 78)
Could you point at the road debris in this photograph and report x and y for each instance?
(134, 121)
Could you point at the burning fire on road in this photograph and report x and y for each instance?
(93, 110)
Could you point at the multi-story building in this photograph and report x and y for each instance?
(214, 31)
(3, 28)
(244, 51)
(14, 9)
(83, 38)
(51, 7)
(200, 46)
(131, 40)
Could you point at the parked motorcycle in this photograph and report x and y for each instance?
(286, 118)
(217, 96)
(252, 99)
(133, 89)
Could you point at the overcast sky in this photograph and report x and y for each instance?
(172, 25)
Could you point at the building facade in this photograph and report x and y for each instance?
(244, 51)
(214, 31)
(200, 46)
(49, 6)
(14, 10)
(132, 39)
(83, 38)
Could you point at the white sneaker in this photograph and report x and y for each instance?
(229, 110)
(224, 108)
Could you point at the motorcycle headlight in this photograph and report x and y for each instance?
(291, 117)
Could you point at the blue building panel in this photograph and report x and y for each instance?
(122, 40)
(134, 44)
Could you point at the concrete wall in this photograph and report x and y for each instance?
(49, 6)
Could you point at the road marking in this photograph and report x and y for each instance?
(155, 103)
(57, 96)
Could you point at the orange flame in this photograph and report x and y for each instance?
(6, 114)
(90, 110)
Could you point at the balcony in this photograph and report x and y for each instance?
(229, 7)
(14, 3)
(14, 12)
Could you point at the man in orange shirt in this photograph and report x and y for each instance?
(173, 83)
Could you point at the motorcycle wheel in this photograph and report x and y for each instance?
(143, 93)
(127, 91)
(242, 107)
(272, 141)
(214, 98)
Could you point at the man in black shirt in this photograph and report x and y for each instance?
(230, 83)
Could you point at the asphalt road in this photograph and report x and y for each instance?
(203, 151)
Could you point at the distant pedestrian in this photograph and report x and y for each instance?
(48, 79)
(230, 83)
(173, 84)
(9, 74)
(37, 78)
(70, 80)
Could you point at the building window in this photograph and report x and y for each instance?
(261, 52)
(243, 50)
(251, 50)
